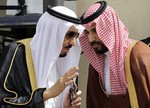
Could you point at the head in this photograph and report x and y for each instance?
(109, 28)
(90, 31)
(69, 40)
(72, 28)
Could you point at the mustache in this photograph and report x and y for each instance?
(95, 42)
(69, 46)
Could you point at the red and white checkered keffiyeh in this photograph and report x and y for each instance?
(113, 33)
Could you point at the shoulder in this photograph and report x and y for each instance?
(10, 54)
(141, 48)
(140, 53)
(10, 49)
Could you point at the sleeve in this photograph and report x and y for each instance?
(30, 101)
(15, 89)
(140, 69)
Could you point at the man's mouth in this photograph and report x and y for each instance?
(69, 46)
(66, 50)
(95, 46)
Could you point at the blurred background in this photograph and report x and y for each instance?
(134, 14)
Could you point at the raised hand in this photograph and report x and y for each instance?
(61, 84)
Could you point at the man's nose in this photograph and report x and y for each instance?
(93, 37)
(72, 41)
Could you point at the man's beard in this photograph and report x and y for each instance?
(101, 49)
(63, 54)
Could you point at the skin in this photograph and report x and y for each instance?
(67, 78)
(94, 40)
(76, 103)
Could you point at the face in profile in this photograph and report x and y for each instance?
(69, 40)
(94, 40)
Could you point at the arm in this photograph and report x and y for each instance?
(59, 86)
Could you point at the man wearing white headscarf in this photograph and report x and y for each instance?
(119, 71)
(41, 72)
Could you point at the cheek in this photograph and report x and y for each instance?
(64, 43)
(90, 38)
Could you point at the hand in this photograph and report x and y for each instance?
(61, 84)
(74, 104)
(68, 103)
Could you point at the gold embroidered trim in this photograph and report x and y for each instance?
(30, 66)
(103, 88)
(131, 87)
(148, 44)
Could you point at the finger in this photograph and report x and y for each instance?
(76, 102)
(69, 82)
(76, 105)
(73, 76)
(73, 70)
(70, 77)
(77, 99)
(78, 94)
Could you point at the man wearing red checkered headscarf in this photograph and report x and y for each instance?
(106, 44)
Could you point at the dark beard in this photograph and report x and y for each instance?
(63, 55)
(101, 49)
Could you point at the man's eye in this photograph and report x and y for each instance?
(86, 32)
(94, 30)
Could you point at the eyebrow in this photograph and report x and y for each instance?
(93, 29)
